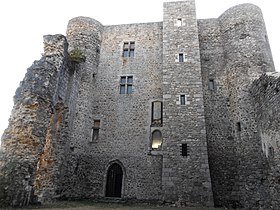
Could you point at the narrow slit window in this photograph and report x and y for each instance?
(179, 22)
(181, 57)
(185, 150)
(183, 99)
(95, 131)
(238, 125)
(211, 84)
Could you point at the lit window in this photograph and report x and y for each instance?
(128, 49)
(95, 130)
(156, 140)
(179, 22)
(126, 84)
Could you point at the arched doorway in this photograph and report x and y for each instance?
(114, 181)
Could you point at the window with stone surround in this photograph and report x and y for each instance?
(156, 140)
(95, 131)
(181, 57)
(179, 22)
(185, 150)
(126, 84)
(183, 99)
(156, 114)
(128, 49)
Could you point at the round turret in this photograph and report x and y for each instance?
(245, 40)
(84, 36)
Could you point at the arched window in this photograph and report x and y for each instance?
(156, 139)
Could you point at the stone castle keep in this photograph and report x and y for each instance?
(182, 111)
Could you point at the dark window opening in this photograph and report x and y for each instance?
(156, 114)
(183, 99)
(128, 49)
(238, 124)
(185, 150)
(211, 84)
(126, 84)
(181, 57)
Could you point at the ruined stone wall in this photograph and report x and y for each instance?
(266, 103)
(234, 52)
(27, 139)
(186, 178)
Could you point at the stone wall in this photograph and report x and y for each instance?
(266, 103)
(72, 120)
(234, 52)
(125, 119)
(219, 128)
(25, 141)
(186, 178)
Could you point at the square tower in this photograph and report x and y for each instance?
(185, 176)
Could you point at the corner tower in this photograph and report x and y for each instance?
(185, 176)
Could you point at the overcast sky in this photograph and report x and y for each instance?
(24, 22)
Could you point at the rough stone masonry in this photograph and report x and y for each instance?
(182, 111)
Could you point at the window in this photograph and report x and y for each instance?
(211, 84)
(156, 114)
(95, 130)
(156, 140)
(179, 22)
(128, 49)
(183, 99)
(126, 84)
(238, 125)
(181, 57)
(185, 150)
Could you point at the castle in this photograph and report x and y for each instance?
(183, 111)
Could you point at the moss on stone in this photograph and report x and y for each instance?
(76, 55)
